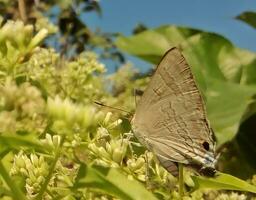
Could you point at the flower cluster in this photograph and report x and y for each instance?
(80, 80)
(41, 65)
(33, 168)
(68, 79)
(69, 118)
(108, 151)
(137, 167)
(22, 108)
(16, 43)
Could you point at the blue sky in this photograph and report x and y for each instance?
(209, 15)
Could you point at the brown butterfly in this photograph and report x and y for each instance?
(170, 118)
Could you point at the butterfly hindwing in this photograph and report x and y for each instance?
(170, 117)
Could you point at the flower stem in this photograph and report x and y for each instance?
(181, 182)
(51, 171)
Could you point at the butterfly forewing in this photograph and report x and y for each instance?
(170, 117)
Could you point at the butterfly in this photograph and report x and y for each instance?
(170, 118)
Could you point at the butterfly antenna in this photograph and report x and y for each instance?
(101, 104)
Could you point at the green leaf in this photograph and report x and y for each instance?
(150, 45)
(226, 104)
(225, 74)
(111, 181)
(248, 17)
(15, 142)
(16, 192)
(223, 181)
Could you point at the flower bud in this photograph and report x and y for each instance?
(34, 159)
(38, 38)
(19, 162)
(56, 139)
(117, 155)
(103, 153)
(23, 171)
(108, 148)
(115, 124)
(93, 148)
(107, 118)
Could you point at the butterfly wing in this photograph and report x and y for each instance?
(170, 118)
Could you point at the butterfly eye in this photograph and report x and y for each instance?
(206, 146)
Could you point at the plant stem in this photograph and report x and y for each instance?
(181, 182)
(51, 171)
(16, 192)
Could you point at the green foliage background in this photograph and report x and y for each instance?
(56, 143)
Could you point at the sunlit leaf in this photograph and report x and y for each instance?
(15, 142)
(223, 182)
